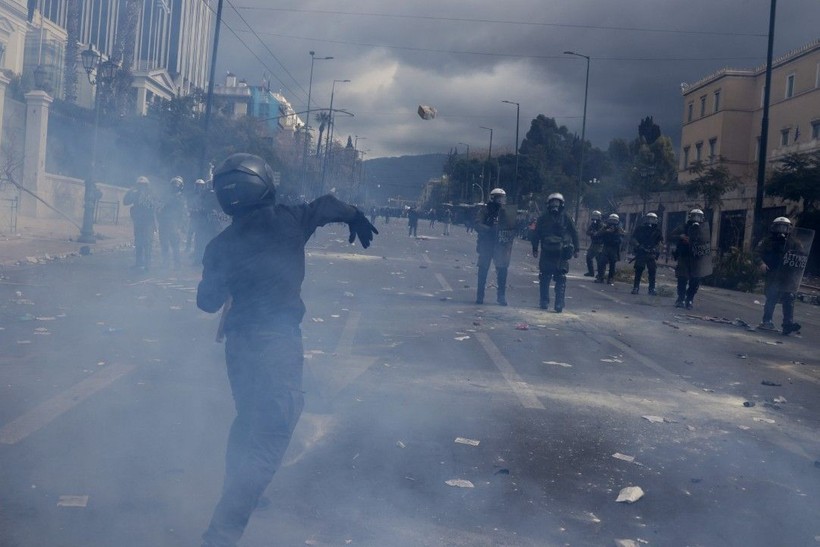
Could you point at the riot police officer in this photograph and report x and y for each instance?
(595, 244)
(612, 236)
(693, 255)
(143, 216)
(258, 262)
(646, 240)
(171, 218)
(555, 233)
(769, 257)
(496, 234)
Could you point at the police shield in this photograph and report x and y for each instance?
(790, 272)
(507, 225)
(700, 239)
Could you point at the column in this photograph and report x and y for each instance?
(34, 158)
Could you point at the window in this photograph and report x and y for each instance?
(698, 151)
(717, 100)
(703, 106)
(784, 137)
(815, 130)
(790, 86)
(690, 111)
(712, 147)
(685, 157)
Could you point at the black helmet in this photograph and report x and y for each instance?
(243, 182)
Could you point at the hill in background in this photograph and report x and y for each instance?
(403, 177)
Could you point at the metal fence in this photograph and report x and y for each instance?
(8, 213)
(107, 212)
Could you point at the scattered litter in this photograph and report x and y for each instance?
(626, 543)
(522, 326)
(768, 342)
(779, 400)
(624, 457)
(757, 302)
(765, 420)
(462, 440)
(45, 318)
(42, 331)
(556, 363)
(112, 330)
(72, 501)
(401, 444)
(317, 320)
(744, 427)
(476, 323)
(707, 390)
(462, 338)
(630, 494)
(770, 383)
(335, 315)
(27, 317)
(24, 341)
(505, 471)
(670, 324)
(741, 356)
(349, 294)
(654, 419)
(612, 360)
(748, 404)
(592, 518)
(459, 483)
(101, 363)
(690, 428)
(176, 307)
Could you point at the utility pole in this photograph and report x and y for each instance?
(210, 97)
(757, 227)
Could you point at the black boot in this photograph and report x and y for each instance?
(560, 292)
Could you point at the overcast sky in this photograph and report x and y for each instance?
(464, 57)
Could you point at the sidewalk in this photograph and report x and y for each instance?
(39, 240)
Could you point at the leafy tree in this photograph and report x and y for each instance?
(323, 119)
(648, 130)
(711, 182)
(796, 178)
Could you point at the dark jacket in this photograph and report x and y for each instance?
(558, 239)
(259, 260)
(646, 240)
(592, 233)
(496, 234)
(143, 205)
(771, 251)
(684, 238)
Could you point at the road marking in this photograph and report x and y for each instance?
(345, 344)
(601, 293)
(443, 282)
(521, 389)
(426, 259)
(644, 360)
(41, 415)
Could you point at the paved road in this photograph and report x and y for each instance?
(113, 388)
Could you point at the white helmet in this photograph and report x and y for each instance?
(142, 180)
(613, 219)
(651, 219)
(696, 215)
(596, 215)
(781, 226)
(555, 195)
(199, 182)
(498, 195)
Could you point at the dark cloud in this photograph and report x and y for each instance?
(464, 58)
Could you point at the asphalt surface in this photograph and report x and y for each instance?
(112, 387)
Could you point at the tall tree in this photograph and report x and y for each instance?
(796, 178)
(710, 183)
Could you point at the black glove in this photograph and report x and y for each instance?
(361, 227)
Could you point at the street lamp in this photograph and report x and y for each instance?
(481, 189)
(307, 118)
(329, 139)
(489, 156)
(517, 116)
(583, 136)
(104, 74)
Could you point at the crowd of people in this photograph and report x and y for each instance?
(176, 217)
(781, 256)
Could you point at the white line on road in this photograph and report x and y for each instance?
(519, 387)
(36, 418)
(426, 259)
(443, 282)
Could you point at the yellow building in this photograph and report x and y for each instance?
(722, 115)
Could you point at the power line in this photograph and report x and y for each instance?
(269, 51)
(509, 55)
(504, 22)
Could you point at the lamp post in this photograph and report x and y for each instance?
(306, 138)
(481, 189)
(328, 140)
(517, 117)
(583, 136)
(105, 72)
(489, 157)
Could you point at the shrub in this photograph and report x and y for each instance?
(734, 270)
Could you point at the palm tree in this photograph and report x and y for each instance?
(323, 119)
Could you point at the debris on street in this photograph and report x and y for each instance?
(401, 444)
(556, 363)
(462, 338)
(72, 501)
(630, 494)
(770, 383)
(470, 442)
(748, 404)
(522, 326)
(626, 543)
(654, 419)
(624, 457)
(459, 483)
(764, 420)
